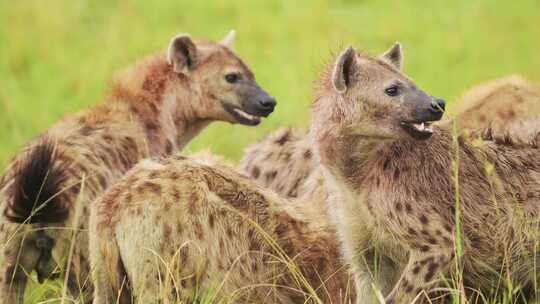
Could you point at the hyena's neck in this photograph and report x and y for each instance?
(346, 156)
(162, 102)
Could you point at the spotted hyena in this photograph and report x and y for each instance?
(153, 109)
(173, 229)
(283, 160)
(406, 195)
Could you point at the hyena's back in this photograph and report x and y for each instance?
(281, 161)
(174, 232)
(182, 226)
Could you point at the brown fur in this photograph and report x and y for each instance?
(152, 110)
(393, 198)
(217, 230)
(494, 105)
(289, 152)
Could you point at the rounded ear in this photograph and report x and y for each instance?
(343, 69)
(229, 39)
(394, 55)
(182, 53)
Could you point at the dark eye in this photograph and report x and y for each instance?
(232, 77)
(392, 91)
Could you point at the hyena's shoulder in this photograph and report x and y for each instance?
(281, 161)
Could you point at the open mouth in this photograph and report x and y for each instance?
(418, 130)
(242, 116)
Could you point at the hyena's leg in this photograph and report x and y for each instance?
(420, 274)
(18, 256)
(372, 271)
(108, 273)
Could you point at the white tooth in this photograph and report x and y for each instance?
(244, 114)
(422, 127)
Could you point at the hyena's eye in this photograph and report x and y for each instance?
(232, 77)
(392, 91)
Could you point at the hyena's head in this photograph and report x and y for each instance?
(224, 86)
(372, 98)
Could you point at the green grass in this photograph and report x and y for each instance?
(57, 57)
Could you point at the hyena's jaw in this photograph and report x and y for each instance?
(242, 116)
(418, 130)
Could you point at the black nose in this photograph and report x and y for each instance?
(267, 103)
(437, 106)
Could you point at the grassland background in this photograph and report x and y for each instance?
(57, 56)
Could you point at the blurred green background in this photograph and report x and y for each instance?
(57, 57)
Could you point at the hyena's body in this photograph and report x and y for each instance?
(174, 228)
(400, 192)
(282, 161)
(154, 109)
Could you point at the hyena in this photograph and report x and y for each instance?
(282, 161)
(173, 229)
(153, 109)
(414, 203)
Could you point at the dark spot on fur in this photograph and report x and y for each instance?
(102, 181)
(153, 106)
(398, 207)
(432, 268)
(86, 130)
(256, 172)
(108, 138)
(169, 147)
(211, 220)
(386, 164)
(448, 228)
(412, 231)
(424, 248)
(283, 138)
(151, 126)
(408, 207)
(199, 232)
(396, 173)
(423, 219)
(167, 232)
(271, 175)
(153, 187)
(409, 288)
(307, 154)
(416, 269)
(153, 175)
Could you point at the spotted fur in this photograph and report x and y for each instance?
(153, 109)
(394, 199)
(208, 228)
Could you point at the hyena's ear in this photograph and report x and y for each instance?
(229, 39)
(182, 54)
(394, 55)
(344, 70)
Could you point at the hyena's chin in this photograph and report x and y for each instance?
(418, 130)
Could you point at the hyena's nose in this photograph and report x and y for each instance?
(437, 106)
(267, 103)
